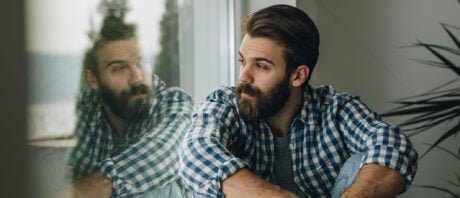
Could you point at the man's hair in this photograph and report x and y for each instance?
(290, 27)
(113, 28)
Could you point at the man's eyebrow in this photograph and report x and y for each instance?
(260, 59)
(265, 59)
(241, 55)
(108, 64)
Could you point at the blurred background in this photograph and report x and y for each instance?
(366, 49)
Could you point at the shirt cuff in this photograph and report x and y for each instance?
(225, 170)
(107, 168)
(404, 163)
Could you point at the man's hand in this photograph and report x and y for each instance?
(93, 185)
(244, 183)
(375, 181)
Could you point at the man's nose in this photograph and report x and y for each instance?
(136, 75)
(246, 74)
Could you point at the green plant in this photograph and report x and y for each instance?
(167, 60)
(437, 107)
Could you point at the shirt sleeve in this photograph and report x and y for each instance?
(206, 157)
(381, 143)
(89, 134)
(152, 161)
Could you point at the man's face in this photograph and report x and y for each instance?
(263, 88)
(122, 83)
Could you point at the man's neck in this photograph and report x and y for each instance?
(119, 125)
(281, 121)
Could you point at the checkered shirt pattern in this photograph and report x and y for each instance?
(148, 158)
(330, 127)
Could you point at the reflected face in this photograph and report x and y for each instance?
(122, 83)
(263, 88)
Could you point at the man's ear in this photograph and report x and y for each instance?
(91, 79)
(300, 75)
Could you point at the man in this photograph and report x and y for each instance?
(274, 135)
(128, 132)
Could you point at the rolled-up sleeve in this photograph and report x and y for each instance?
(381, 143)
(151, 162)
(206, 158)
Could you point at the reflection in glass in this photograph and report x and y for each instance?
(186, 43)
(114, 141)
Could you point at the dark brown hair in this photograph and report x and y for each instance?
(113, 28)
(290, 27)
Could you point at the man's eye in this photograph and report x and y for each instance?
(117, 68)
(241, 61)
(261, 66)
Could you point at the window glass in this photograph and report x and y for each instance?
(57, 37)
(186, 43)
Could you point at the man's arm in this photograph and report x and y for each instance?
(390, 160)
(375, 181)
(244, 183)
(92, 185)
(152, 161)
(207, 157)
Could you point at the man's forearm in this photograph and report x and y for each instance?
(93, 185)
(246, 184)
(375, 181)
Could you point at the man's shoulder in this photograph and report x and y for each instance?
(222, 95)
(88, 99)
(328, 94)
(174, 93)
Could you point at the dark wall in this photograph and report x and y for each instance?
(13, 175)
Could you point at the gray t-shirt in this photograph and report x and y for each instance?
(283, 174)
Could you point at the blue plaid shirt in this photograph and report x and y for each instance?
(148, 157)
(330, 127)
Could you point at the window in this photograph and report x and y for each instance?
(190, 44)
(57, 39)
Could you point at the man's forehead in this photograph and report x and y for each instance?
(256, 47)
(119, 48)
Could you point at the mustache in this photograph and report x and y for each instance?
(136, 89)
(246, 88)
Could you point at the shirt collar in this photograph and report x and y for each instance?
(306, 114)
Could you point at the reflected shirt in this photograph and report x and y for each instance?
(147, 158)
(329, 128)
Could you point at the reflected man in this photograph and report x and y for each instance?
(274, 135)
(129, 129)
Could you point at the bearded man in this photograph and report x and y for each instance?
(274, 135)
(129, 129)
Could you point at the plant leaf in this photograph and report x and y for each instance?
(447, 134)
(439, 189)
(409, 111)
(449, 152)
(428, 122)
(446, 61)
(431, 95)
(438, 113)
(432, 63)
(440, 47)
(452, 183)
(417, 107)
(452, 36)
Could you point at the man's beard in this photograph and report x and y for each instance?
(266, 104)
(120, 104)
